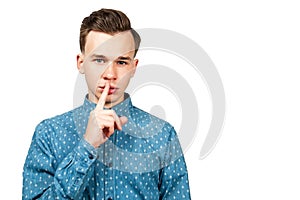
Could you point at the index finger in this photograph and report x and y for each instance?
(102, 100)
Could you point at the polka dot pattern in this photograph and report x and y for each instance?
(143, 161)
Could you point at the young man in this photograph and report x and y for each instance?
(106, 148)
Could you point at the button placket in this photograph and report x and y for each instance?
(109, 171)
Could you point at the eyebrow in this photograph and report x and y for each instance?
(123, 58)
(98, 56)
(118, 58)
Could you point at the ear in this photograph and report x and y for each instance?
(80, 59)
(135, 63)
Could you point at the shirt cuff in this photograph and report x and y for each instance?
(86, 152)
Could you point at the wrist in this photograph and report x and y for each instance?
(90, 141)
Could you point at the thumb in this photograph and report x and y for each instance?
(123, 120)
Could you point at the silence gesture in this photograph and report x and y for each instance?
(102, 123)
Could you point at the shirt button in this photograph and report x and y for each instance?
(109, 198)
(110, 165)
(77, 181)
(91, 156)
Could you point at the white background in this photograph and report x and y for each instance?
(255, 46)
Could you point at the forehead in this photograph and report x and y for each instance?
(109, 45)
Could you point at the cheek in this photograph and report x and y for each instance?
(92, 78)
(124, 79)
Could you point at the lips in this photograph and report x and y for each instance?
(112, 89)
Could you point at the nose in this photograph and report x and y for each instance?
(110, 73)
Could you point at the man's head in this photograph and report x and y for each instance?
(108, 48)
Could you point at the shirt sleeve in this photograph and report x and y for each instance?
(174, 183)
(45, 176)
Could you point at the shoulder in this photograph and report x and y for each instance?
(149, 125)
(55, 124)
(145, 117)
(58, 120)
(157, 135)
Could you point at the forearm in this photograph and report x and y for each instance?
(43, 180)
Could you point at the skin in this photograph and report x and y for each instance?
(108, 65)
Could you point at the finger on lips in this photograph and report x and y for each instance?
(109, 129)
(102, 100)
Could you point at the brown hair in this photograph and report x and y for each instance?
(107, 21)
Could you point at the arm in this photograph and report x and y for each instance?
(45, 176)
(174, 183)
(50, 172)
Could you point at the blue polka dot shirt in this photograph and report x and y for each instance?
(143, 161)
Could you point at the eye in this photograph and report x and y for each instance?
(122, 62)
(99, 60)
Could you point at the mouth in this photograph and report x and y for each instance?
(111, 90)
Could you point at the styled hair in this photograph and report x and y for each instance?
(107, 21)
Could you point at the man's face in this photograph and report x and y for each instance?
(108, 59)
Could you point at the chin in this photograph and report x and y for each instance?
(115, 99)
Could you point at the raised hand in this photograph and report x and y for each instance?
(102, 123)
